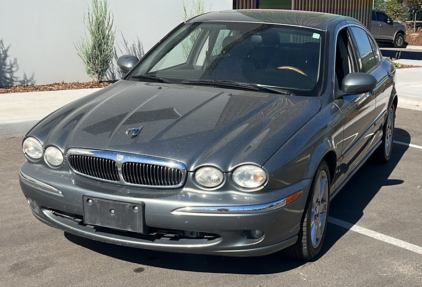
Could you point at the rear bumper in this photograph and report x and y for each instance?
(59, 204)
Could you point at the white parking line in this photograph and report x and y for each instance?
(408, 144)
(377, 235)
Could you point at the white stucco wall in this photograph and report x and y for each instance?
(42, 33)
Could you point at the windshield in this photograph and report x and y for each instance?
(257, 54)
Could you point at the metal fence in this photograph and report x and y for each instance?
(359, 9)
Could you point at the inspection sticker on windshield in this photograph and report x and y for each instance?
(316, 36)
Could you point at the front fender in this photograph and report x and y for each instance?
(300, 157)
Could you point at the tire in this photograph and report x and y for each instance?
(385, 150)
(399, 40)
(314, 222)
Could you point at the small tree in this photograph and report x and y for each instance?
(415, 6)
(379, 4)
(96, 51)
(8, 67)
(396, 10)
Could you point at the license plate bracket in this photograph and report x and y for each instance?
(126, 216)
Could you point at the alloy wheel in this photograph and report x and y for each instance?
(319, 209)
(389, 133)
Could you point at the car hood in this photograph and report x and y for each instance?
(198, 125)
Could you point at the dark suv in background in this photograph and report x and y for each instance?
(385, 30)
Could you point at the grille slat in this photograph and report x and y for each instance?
(149, 174)
(138, 173)
(95, 167)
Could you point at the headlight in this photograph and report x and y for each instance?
(249, 176)
(209, 177)
(53, 156)
(32, 148)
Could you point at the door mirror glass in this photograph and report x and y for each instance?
(389, 21)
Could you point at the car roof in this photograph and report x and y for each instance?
(316, 20)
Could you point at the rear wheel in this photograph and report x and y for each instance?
(314, 223)
(398, 40)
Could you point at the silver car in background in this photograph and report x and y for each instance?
(384, 29)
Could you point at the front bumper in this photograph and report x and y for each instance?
(226, 218)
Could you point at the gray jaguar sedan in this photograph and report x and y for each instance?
(229, 137)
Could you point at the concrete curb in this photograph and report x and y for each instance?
(410, 102)
(19, 112)
(16, 129)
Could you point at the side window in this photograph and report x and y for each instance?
(374, 16)
(367, 58)
(376, 50)
(218, 46)
(200, 61)
(344, 57)
(382, 17)
(179, 54)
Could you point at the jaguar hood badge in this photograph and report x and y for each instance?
(134, 132)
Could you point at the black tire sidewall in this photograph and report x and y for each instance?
(309, 252)
(386, 157)
(399, 35)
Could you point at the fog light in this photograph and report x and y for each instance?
(33, 205)
(254, 234)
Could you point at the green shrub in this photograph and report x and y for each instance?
(96, 51)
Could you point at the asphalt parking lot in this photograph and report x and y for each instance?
(374, 237)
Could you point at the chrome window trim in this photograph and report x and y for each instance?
(120, 158)
(230, 210)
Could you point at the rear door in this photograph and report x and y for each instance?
(370, 61)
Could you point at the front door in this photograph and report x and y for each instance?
(386, 30)
(358, 109)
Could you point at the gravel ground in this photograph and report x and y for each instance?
(55, 87)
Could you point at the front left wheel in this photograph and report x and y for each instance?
(314, 223)
(385, 150)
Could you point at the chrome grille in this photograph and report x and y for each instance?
(94, 166)
(149, 174)
(127, 169)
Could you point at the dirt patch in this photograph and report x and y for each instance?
(414, 39)
(55, 87)
(403, 66)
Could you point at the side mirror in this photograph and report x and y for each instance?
(127, 62)
(389, 21)
(358, 83)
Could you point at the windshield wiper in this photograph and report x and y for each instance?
(153, 78)
(221, 83)
(233, 84)
(273, 89)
